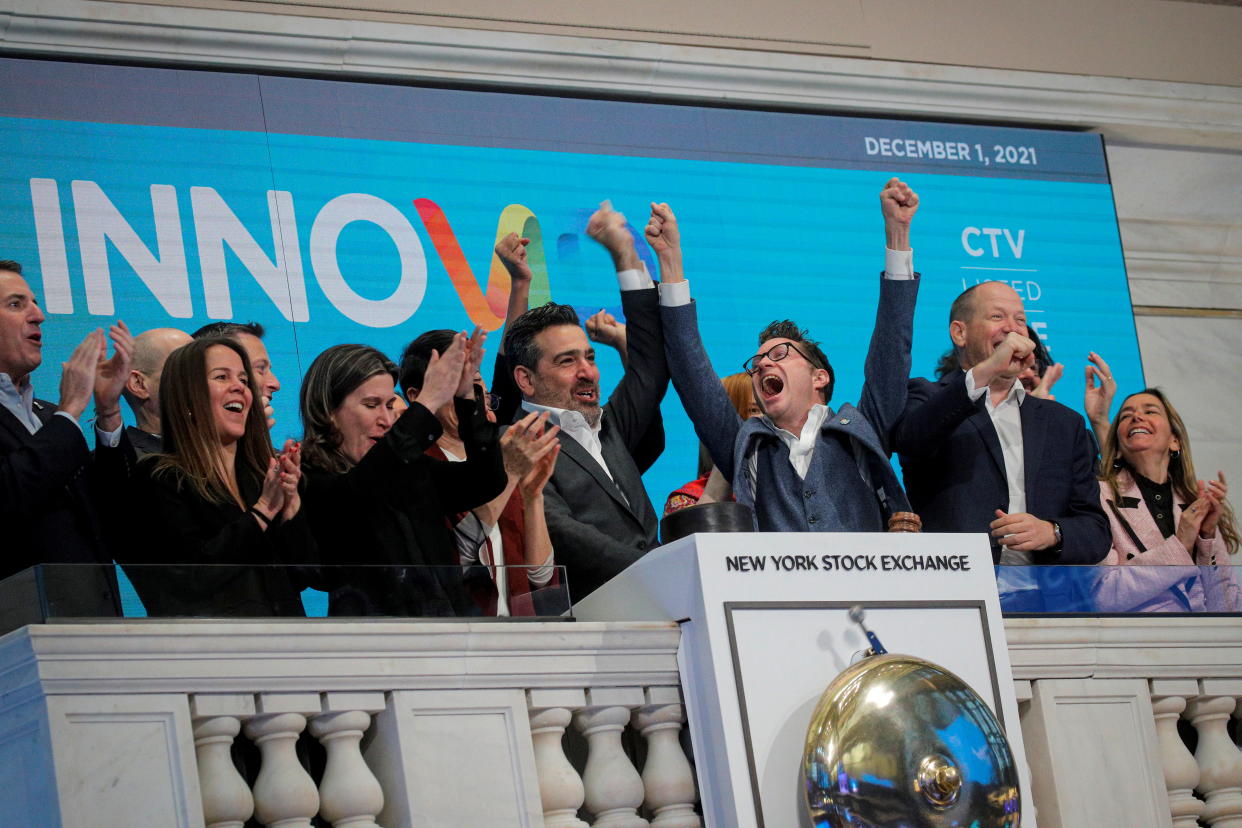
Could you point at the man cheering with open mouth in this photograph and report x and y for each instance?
(801, 466)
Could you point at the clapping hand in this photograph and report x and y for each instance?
(1044, 389)
(1098, 398)
(443, 375)
(290, 462)
(526, 442)
(1214, 492)
(470, 365)
(111, 374)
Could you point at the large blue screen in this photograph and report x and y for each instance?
(350, 212)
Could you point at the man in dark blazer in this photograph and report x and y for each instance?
(979, 454)
(45, 462)
(599, 516)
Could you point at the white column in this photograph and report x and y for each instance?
(1181, 772)
(561, 792)
(227, 801)
(284, 793)
(667, 776)
(1220, 761)
(614, 790)
(350, 795)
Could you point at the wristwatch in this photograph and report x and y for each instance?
(1056, 530)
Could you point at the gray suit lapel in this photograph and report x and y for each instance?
(571, 449)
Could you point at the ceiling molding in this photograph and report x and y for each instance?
(1121, 109)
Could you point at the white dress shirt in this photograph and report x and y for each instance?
(1007, 420)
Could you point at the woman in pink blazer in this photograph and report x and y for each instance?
(1159, 512)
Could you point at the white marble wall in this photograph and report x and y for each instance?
(1181, 226)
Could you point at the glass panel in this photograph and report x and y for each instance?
(81, 591)
(1118, 589)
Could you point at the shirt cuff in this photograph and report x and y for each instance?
(71, 419)
(634, 278)
(898, 264)
(111, 439)
(971, 391)
(675, 294)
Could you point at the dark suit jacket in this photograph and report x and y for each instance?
(955, 472)
(143, 442)
(248, 574)
(45, 504)
(391, 509)
(598, 525)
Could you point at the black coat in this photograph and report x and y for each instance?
(391, 510)
(47, 481)
(45, 504)
(249, 574)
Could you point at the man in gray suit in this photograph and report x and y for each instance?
(599, 516)
(802, 467)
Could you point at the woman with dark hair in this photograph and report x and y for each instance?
(216, 495)
(374, 497)
(1160, 513)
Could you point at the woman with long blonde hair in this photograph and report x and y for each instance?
(1160, 512)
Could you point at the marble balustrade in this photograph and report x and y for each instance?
(566, 725)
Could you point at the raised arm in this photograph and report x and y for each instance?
(887, 367)
(635, 401)
(511, 250)
(716, 421)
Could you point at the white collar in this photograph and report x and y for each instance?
(568, 419)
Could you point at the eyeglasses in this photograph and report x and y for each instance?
(492, 401)
(776, 353)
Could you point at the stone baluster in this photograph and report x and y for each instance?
(1181, 772)
(227, 802)
(284, 794)
(350, 796)
(614, 790)
(667, 776)
(1220, 761)
(560, 787)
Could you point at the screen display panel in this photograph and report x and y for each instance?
(335, 212)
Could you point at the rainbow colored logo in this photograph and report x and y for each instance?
(486, 308)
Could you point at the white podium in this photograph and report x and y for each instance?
(765, 629)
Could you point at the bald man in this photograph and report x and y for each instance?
(980, 454)
(142, 388)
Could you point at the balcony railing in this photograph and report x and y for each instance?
(1127, 721)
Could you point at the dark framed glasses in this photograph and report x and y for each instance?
(776, 353)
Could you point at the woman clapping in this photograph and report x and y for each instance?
(216, 495)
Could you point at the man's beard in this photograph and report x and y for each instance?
(591, 411)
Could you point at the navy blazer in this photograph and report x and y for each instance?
(955, 472)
